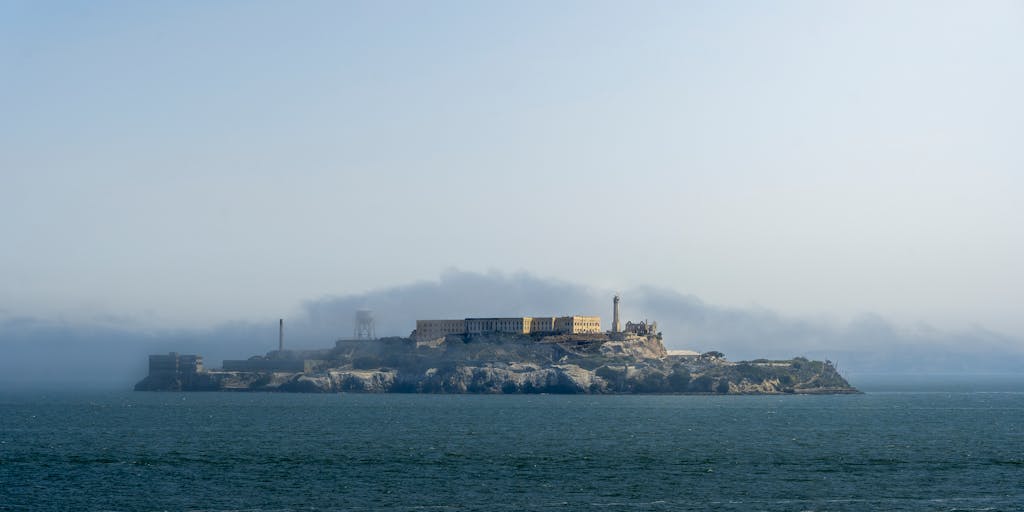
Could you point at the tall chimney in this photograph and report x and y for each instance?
(615, 316)
(280, 335)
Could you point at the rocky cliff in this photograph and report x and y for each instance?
(522, 364)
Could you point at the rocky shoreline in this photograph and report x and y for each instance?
(502, 364)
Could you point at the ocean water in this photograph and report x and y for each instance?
(906, 450)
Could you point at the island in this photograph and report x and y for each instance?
(566, 355)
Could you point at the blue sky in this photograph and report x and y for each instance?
(183, 164)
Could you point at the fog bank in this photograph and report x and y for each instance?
(112, 353)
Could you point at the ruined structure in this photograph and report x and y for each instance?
(642, 328)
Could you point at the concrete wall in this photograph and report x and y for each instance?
(517, 325)
(542, 324)
(433, 329)
(584, 324)
(174, 364)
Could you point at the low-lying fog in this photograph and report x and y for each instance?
(41, 353)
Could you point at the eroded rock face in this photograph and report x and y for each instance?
(489, 379)
(765, 387)
(360, 381)
(634, 347)
(554, 379)
(517, 364)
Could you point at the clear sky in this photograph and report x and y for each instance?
(189, 163)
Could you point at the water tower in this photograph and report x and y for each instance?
(364, 329)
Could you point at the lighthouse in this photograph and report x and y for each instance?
(615, 314)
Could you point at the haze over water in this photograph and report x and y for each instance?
(933, 451)
(837, 180)
(184, 166)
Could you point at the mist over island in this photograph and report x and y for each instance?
(529, 256)
(109, 352)
(838, 181)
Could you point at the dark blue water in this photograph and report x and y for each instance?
(941, 451)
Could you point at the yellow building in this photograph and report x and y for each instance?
(542, 324)
(518, 325)
(579, 324)
(433, 329)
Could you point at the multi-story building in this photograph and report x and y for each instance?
(519, 325)
(175, 364)
(542, 324)
(434, 329)
(578, 324)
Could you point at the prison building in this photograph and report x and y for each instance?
(175, 364)
(433, 329)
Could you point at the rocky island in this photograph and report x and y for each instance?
(568, 354)
(498, 363)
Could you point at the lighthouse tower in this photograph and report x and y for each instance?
(615, 314)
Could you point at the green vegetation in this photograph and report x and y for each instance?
(528, 364)
(679, 380)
